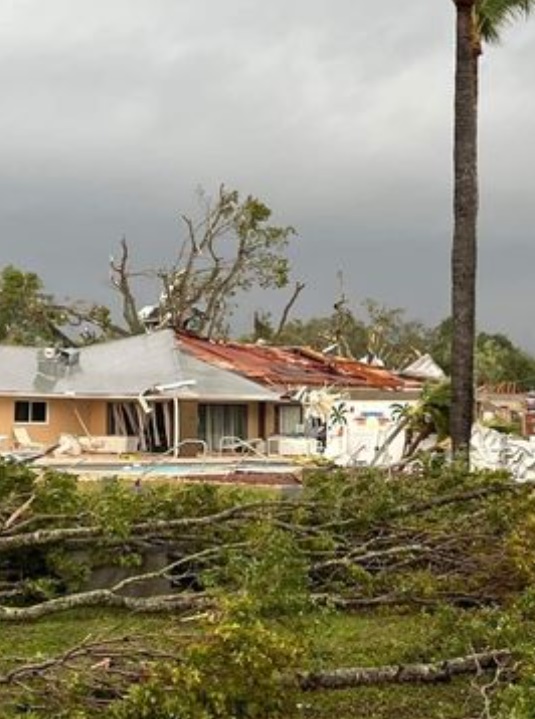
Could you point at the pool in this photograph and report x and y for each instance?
(178, 469)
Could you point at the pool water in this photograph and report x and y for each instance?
(182, 469)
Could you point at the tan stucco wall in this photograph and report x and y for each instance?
(6, 417)
(188, 420)
(97, 423)
(67, 416)
(188, 427)
(252, 420)
(80, 417)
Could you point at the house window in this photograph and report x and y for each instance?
(290, 419)
(222, 420)
(27, 412)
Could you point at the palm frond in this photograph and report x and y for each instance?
(493, 15)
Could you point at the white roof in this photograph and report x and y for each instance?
(123, 368)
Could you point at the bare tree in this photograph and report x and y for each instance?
(231, 248)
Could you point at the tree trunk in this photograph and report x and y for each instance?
(464, 250)
(403, 673)
(105, 598)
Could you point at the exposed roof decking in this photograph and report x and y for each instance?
(285, 367)
(220, 371)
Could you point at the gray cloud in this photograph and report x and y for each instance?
(339, 115)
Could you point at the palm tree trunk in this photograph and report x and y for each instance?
(464, 249)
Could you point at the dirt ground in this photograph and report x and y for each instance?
(275, 479)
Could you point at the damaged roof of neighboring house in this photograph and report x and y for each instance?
(424, 368)
(283, 368)
(121, 368)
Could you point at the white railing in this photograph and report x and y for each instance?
(163, 458)
(234, 443)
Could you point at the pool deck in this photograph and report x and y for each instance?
(272, 471)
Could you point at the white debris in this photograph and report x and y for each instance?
(490, 449)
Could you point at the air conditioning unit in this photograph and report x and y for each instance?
(69, 355)
(50, 352)
(292, 446)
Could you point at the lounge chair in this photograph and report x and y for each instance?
(29, 451)
(24, 441)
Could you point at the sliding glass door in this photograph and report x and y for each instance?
(222, 420)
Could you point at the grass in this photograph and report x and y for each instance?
(384, 637)
(53, 635)
(368, 639)
(445, 701)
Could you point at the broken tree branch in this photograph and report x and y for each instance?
(120, 279)
(443, 671)
(44, 537)
(299, 287)
(107, 598)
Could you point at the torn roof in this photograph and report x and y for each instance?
(285, 368)
(218, 371)
(424, 367)
(121, 368)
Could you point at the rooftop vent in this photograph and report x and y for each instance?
(57, 362)
(70, 356)
(50, 353)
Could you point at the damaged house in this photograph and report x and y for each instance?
(165, 392)
(139, 393)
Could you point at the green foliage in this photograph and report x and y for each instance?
(393, 337)
(338, 415)
(271, 575)
(233, 672)
(513, 427)
(518, 701)
(351, 537)
(16, 481)
(376, 329)
(26, 312)
(521, 542)
(117, 507)
(497, 359)
(31, 316)
(492, 16)
(229, 249)
(387, 333)
(431, 414)
(58, 493)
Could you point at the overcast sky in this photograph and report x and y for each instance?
(337, 113)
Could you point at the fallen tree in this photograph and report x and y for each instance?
(12, 540)
(241, 567)
(108, 655)
(358, 539)
(232, 669)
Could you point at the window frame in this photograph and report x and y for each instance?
(30, 404)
